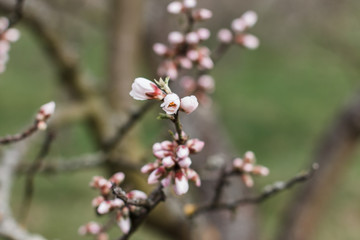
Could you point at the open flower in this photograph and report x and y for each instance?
(171, 103)
(144, 89)
(189, 104)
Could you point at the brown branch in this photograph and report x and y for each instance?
(119, 193)
(156, 197)
(29, 179)
(268, 192)
(20, 136)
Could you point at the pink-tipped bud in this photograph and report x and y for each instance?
(12, 35)
(181, 183)
(248, 167)
(47, 110)
(195, 145)
(250, 41)
(188, 84)
(167, 145)
(123, 220)
(90, 228)
(238, 163)
(117, 178)
(171, 103)
(185, 62)
(238, 25)
(148, 168)
(203, 33)
(193, 55)
(97, 201)
(247, 179)
(116, 203)
(189, 3)
(189, 104)
(4, 23)
(168, 162)
(176, 38)
(193, 176)
(225, 36)
(168, 69)
(136, 194)
(206, 62)
(144, 89)
(249, 157)
(160, 49)
(165, 182)
(202, 14)
(155, 175)
(104, 207)
(192, 38)
(260, 170)
(207, 83)
(185, 162)
(182, 151)
(175, 7)
(250, 18)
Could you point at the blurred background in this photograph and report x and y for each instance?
(277, 101)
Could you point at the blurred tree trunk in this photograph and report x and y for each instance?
(333, 154)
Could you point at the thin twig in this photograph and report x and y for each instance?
(20, 136)
(29, 179)
(269, 191)
(119, 193)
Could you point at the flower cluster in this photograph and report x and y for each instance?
(172, 164)
(238, 34)
(144, 89)
(106, 203)
(7, 36)
(185, 49)
(247, 167)
(44, 114)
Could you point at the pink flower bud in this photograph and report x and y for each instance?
(225, 36)
(148, 168)
(165, 182)
(175, 7)
(181, 183)
(207, 83)
(91, 228)
(250, 41)
(155, 175)
(176, 38)
(143, 89)
(206, 62)
(104, 207)
(102, 236)
(117, 178)
(182, 151)
(188, 84)
(168, 162)
(249, 157)
(193, 176)
(247, 179)
(192, 38)
(96, 201)
(189, 104)
(185, 162)
(160, 49)
(185, 62)
(156, 147)
(250, 18)
(171, 103)
(123, 220)
(46, 110)
(168, 69)
(167, 145)
(238, 25)
(189, 3)
(4, 23)
(136, 194)
(42, 125)
(116, 203)
(195, 145)
(12, 35)
(238, 163)
(248, 167)
(202, 14)
(193, 55)
(260, 170)
(203, 33)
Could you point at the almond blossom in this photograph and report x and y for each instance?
(144, 89)
(172, 165)
(189, 104)
(246, 166)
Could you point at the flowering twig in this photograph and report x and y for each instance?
(40, 123)
(119, 193)
(268, 192)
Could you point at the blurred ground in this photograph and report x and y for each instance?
(276, 101)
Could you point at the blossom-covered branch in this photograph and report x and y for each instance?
(192, 210)
(40, 123)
